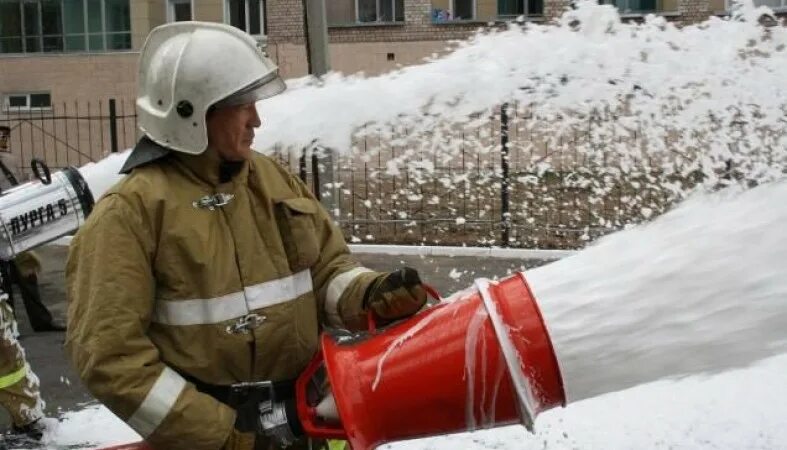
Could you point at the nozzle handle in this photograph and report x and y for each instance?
(432, 292)
(371, 322)
(41, 171)
(312, 425)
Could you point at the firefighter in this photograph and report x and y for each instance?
(210, 265)
(19, 387)
(23, 270)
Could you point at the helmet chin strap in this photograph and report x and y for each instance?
(228, 169)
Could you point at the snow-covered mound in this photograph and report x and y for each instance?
(736, 410)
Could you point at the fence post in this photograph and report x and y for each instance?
(316, 174)
(113, 126)
(504, 201)
(302, 166)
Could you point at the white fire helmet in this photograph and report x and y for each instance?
(187, 67)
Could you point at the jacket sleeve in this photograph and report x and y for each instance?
(111, 290)
(340, 282)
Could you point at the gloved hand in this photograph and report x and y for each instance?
(395, 295)
(239, 441)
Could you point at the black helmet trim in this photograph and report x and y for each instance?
(267, 86)
(146, 151)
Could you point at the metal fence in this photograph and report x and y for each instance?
(71, 134)
(495, 180)
(484, 184)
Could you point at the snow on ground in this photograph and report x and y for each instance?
(740, 409)
(735, 410)
(91, 427)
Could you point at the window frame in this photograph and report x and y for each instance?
(171, 9)
(356, 21)
(7, 108)
(86, 34)
(263, 24)
(526, 13)
(776, 9)
(377, 12)
(453, 10)
(628, 12)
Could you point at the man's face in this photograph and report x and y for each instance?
(231, 130)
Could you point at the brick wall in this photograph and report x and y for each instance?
(555, 8)
(285, 24)
(692, 11)
(371, 58)
(80, 86)
(290, 57)
(145, 15)
(285, 21)
(72, 77)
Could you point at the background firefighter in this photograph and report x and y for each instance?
(19, 387)
(210, 266)
(23, 270)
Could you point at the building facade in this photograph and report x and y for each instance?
(54, 51)
(67, 66)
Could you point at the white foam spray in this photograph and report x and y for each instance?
(101, 175)
(701, 289)
(471, 342)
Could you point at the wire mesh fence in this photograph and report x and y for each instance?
(72, 133)
(496, 179)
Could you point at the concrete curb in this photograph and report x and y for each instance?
(424, 250)
(65, 240)
(489, 252)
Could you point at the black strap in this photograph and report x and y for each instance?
(232, 396)
(245, 401)
(145, 152)
(8, 174)
(5, 283)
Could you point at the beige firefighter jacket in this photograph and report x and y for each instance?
(161, 280)
(19, 386)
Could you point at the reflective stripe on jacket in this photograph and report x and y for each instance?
(164, 281)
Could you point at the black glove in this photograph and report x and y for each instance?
(395, 295)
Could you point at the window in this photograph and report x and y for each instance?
(464, 9)
(248, 15)
(484, 10)
(776, 5)
(635, 6)
(178, 10)
(27, 101)
(351, 12)
(448, 10)
(32, 26)
(511, 9)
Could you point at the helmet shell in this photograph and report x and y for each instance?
(187, 67)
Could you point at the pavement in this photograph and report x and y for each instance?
(61, 387)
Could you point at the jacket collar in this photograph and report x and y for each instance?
(207, 166)
(145, 152)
